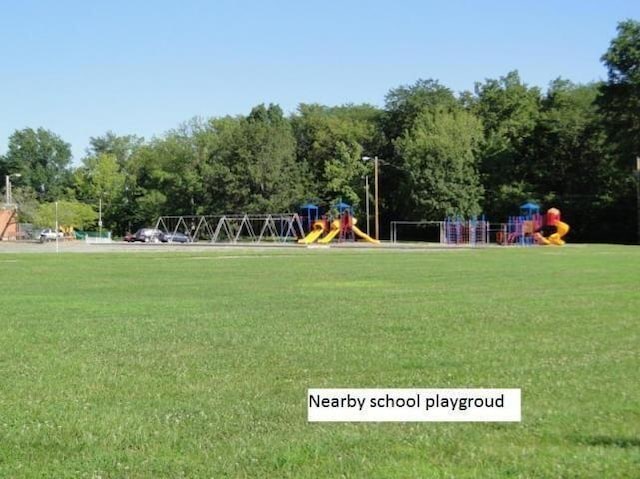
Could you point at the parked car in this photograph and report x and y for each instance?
(175, 238)
(146, 235)
(49, 235)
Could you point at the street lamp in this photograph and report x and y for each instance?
(8, 195)
(100, 217)
(376, 197)
(366, 190)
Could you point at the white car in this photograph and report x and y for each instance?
(49, 235)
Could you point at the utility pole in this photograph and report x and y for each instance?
(8, 187)
(366, 189)
(376, 193)
(375, 167)
(57, 230)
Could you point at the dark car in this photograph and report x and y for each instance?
(145, 235)
(175, 238)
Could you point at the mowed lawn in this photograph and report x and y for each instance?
(197, 364)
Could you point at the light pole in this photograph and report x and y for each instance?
(366, 189)
(57, 230)
(375, 192)
(8, 194)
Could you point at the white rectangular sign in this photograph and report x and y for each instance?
(414, 405)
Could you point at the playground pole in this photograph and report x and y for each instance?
(376, 199)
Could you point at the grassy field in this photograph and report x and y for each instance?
(197, 364)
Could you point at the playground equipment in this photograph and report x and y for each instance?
(309, 214)
(361, 234)
(333, 232)
(344, 228)
(546, 235)
(317, 229)
(460, 231)
(274, 228)
(531, 228)
(519, 230)
(340, 228)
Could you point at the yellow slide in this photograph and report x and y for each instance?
(556, 238)
(318, 229)
(562, 229)
(541, 239)
(335, 229)
(315, 233)
(364, 235)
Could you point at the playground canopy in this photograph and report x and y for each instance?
(529, 209)
(342, 207)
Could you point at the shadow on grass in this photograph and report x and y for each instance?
(607, 441)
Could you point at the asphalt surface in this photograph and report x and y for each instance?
(124, 247)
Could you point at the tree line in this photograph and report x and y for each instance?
(486, 151)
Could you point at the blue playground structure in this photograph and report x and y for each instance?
(309, 214)
(469, 232)
(520, 230)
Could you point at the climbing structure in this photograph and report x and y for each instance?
(8, 224)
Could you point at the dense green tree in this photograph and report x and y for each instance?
(509, 112)
(569, 162)
(42, 158)
(100, 181)
(440, 153)
(620, 95)
(620, 108)
(28, 203)
(226, 165)
(406, 103)
(72, 214)
(221, 174)
(566, 148)
(265, 150)
(120, 213)
(251, 164)
(121, 147)
(166, 179)
(330, 146)
(405, 107)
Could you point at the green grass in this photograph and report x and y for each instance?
(197, 364)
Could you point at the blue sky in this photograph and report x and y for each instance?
(80, 68)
